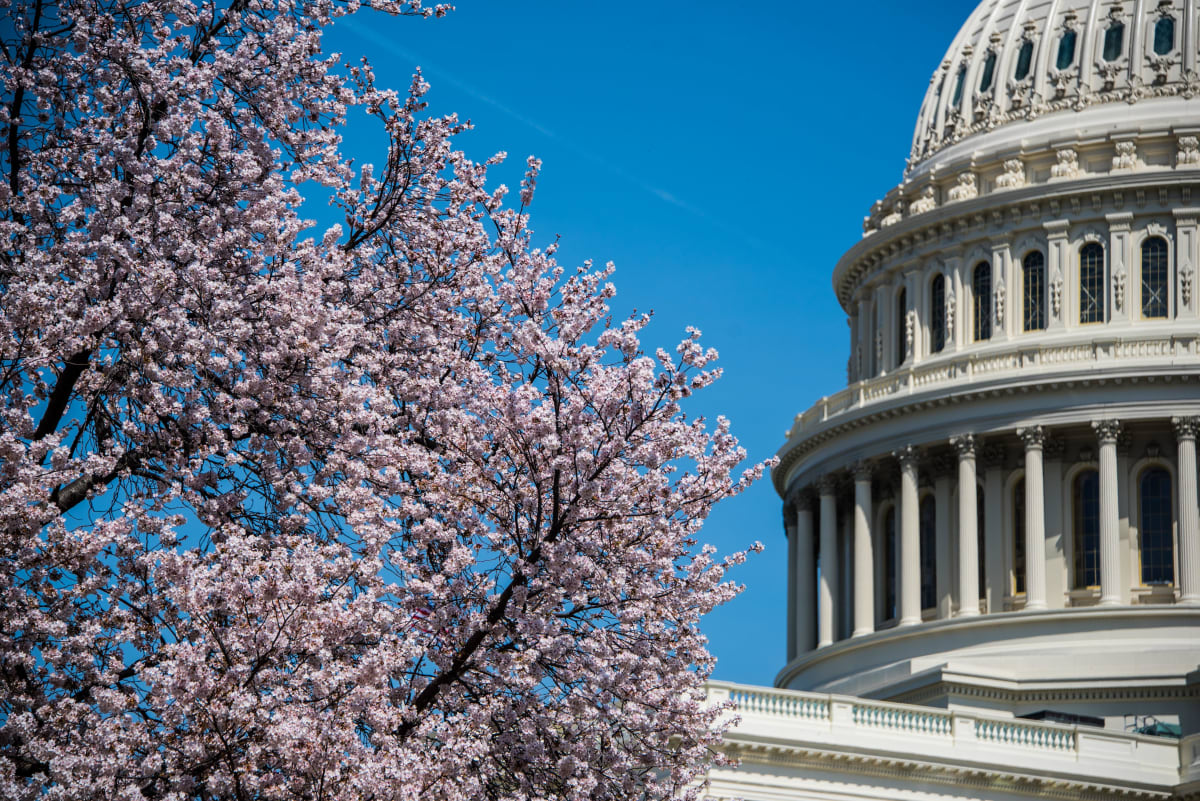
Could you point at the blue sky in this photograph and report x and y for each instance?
(723, 156)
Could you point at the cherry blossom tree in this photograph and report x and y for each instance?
(389, 510)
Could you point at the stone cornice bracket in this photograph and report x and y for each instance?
(964, 444)
(1107, 431)
(1032, 436)
(1186, 427)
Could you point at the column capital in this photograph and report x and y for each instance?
(803, 501)
(965, 445)
(1107, 431)
(863, 470)
(908, 456)
(827, 484)
(1032, 436)
(1186, 427)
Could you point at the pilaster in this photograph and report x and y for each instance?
(864, 579)
(1057, 519)
(995, 585)
(1187, 262)
(1121, 274)
(827, 589)
(1057, 272)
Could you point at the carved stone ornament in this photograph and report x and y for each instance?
(1000, 292)
(1185, 284)
(1032, 437)
(827, 484)
(1189, 151)
(1119, 277)
(950, 307)
(862, 470)
(1107, 431)
(925, 202)
(1053, 448)
(1068, 164)
(965, 445)
(1109, 71)
(1161, 66)
(896, 216)
(907, 456)
(1126, 156)
(910, 327)
(1056, 287)
(966, 188)
(858, 360)
(878, 347)
(1186, 427)
(1013, 175)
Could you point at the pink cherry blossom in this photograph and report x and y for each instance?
(391, 510)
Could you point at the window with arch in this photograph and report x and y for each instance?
(1033, 283)
(1066, 50)
(1024, 61)
(989, 70)
(1018, 543)
(927, 529)
(901, 327)
(1154, 277)
(981, 290)
(1114, 41)
(1091, 283)
(889, 564)
(937, 316)
(1086, 530)
(1164, 35)
(1157, 542)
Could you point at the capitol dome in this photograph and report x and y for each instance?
(994, 528)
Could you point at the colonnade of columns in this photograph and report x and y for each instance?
(814, 580)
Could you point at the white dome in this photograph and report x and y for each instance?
(1018, 60)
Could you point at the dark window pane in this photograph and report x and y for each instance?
(1114, 38)
(1164, 35)
(1158, 552)
(981, 286)
(1033, 273)
(901, 327)
(1087, 529)
(1024, 59)
(979, 548)
(989, 68)
(1019, 537)
(1091, 283)
(958, 85)
(890, 563)
(1154, 277)
(928, 521)
(1066, 50)
(937, 318)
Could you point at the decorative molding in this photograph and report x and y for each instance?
(1013, 176)
(1068, 164)
(1186, 427)
(1032, 437)
(966, 188)
(1189, 151)
(1000, 292)
(924, 202)
(1107, 431)
(965, 445)
(1126, 155)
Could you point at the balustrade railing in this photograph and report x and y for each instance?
(967, 366)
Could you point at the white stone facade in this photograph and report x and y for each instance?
(1024, 322)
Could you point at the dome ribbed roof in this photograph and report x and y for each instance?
(1016, 60)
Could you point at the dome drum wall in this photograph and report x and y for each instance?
(1024, 319)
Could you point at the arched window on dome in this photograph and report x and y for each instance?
(959, 80)
(889, 564)
(1086, 530)
(1018, 543)
(927, 529)
(1091, 283)
(937, 314)
(1157, 543)
(981, 290)
(1033, 284)
(1066, 50)
(1024, 61)
(1114, 41)
(1164, 35)
(901, 327)
(989, 70)
(1154, 277)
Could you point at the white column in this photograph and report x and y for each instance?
(993, 530)
(910, 539)
(804, 596)
(968, 528)
(1110, 543)
(1035, 519)
(1189, 510)
(864, 558)
(826, 588)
